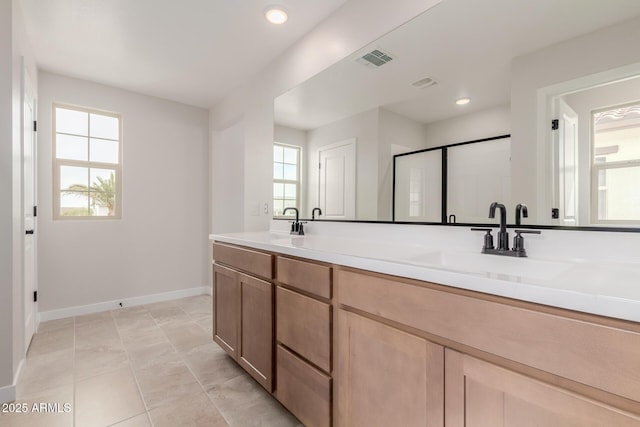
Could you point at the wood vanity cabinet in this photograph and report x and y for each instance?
(414, 353)
(304, 340)
(243, 308)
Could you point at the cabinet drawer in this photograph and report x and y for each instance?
(304, 325)
(589, 353)
(306, 276)
(254, 262)
(302, 389)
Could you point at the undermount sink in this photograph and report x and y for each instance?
(493, 265)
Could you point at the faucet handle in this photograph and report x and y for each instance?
(518, 241)
(527, 231)
(488, 238)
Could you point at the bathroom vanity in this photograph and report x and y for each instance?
(346, 332)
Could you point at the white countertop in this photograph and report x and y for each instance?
(604, 287)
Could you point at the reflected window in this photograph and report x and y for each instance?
(286, 178)
(87, 163)
(615, 169)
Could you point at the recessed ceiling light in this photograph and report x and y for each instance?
(463, 101)
(276, 15)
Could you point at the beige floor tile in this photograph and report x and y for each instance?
(51, 341)
(163, 383)
(88, 318)
(206, 323)
(212, 366)
(186, 336)
(138, 310)
(197, 306)
(190, 411)
(143, 357)
(53, 408)
(169, 315)
(141, 420)
(243, 402)
(90, 362)
(107, 399)
(46, 371)
(53, 325)
(97, 332)
(160, 305)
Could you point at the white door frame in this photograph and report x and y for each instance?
(29, 96)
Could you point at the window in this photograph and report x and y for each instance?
(616, 165)
(286, 178)
(87, 147)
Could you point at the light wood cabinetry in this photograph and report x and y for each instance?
(507, 363)
(480, 394)
(243, 309)
(387, 377)
(304, 340)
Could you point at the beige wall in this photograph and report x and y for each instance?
(161, 242)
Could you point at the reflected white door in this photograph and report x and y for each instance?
(29, 194)
(337, 180)
(566, 173)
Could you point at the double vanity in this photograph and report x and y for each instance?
(371, 324)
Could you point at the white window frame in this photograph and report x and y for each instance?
(58, 163)
(288, 181)
(597, 167)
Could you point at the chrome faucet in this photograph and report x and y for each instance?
(521, 210)
(313, 213)
(296, 226)
(503, 235)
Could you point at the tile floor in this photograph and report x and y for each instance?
(152, 365)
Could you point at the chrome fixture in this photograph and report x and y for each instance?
(313, 213)
(503, 237)
(296, 226)
(521, 210)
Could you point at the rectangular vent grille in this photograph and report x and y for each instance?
(374, 59)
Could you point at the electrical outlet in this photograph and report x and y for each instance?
(265, 209)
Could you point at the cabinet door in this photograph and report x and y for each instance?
(226, 309)
(256, 335)
(387, 377)
(479, 393)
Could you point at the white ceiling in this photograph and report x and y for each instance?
(465, 45)
(191, 51)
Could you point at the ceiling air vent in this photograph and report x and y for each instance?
(426, 82)
(374, 59)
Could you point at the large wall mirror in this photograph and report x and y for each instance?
(559, 76)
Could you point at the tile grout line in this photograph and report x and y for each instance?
(187, 365)
(133, 371)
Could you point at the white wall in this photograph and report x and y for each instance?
(584, 103)
(477, 125)
(364, 128)
(160, 244)
(228, 167)
(394, 130)
(341, 34)
(582, 56)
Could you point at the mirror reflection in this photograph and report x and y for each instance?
(519, 64)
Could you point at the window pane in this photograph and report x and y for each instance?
(103, 191)
(290, 191)
(104, 151)
(290, 172)
(290, 204)
(618, 200)
(617, 134)
(277, 171)
(104, 127)
(278, 207)
(74, 178)
(277, 153)
(290, 155)
(71, 121)
(71, 147)
(278, 190)
(74, 203)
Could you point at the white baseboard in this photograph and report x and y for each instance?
(8, 393)
(126, 302)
